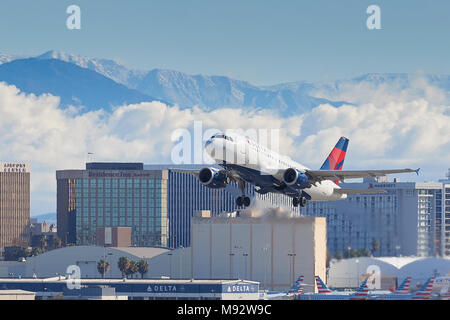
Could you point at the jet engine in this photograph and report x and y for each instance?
(213, 178)
(294, 178)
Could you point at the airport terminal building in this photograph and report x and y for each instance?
(134, 289)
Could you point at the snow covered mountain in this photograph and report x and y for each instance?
(197, 90)
(106, 67)
(6, 58)
(209, 92)
(75, 86)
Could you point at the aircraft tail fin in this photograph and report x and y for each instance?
(362, 292)
(424, 293)
(321, 287)
(403, 288)
(335, 160)
(297, 287)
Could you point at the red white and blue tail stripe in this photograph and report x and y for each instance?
(297, 287)
(321, 287)
(335, 160)
(403, 288)
(425, 292)
(362, 292)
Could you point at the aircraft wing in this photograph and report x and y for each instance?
(361, 191)
(320, 175)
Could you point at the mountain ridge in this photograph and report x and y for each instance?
(74, 85)
(211, 91)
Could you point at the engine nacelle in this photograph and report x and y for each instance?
(295, 178)
(213, 178)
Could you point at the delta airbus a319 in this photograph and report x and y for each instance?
(244, 161)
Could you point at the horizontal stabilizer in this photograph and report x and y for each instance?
(320, 175)
(362, 191)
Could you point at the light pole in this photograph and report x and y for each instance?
(348, 257)
(238, 247)
(292, 255)
(265, 250)
(170, 263)
(109, 254)
(245, 255)
(231, 265)
(397, 247)
(181, 259)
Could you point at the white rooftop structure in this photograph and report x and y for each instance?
(349, 272)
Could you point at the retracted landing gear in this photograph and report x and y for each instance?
(299, 201)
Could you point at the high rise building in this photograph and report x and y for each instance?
(154, 201)
(445, 219)
(186, 195)
(403, 221)
(14, 204)
(112, 195)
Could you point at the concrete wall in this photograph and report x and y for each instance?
(272, 251)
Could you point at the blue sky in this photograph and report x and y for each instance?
(264, 42)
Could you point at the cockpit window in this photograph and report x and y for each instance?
(222, 136)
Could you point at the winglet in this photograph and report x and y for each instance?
(417, 171)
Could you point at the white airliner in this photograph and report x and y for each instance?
(245, 161)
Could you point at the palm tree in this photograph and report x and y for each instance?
(123, 265)
(26, 251)
(35, 251)
(142, 267)
(132, 269)
(375, 246)
(43, 242)
(56, 242)
(365, 252)
(103, 267)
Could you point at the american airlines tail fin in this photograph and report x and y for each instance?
(321, 287)
(362, 292)
(297, 287)
(403, 288)
(424, 293)
(335, 160)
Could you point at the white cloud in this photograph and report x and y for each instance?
(391, 125)
(385, 130)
